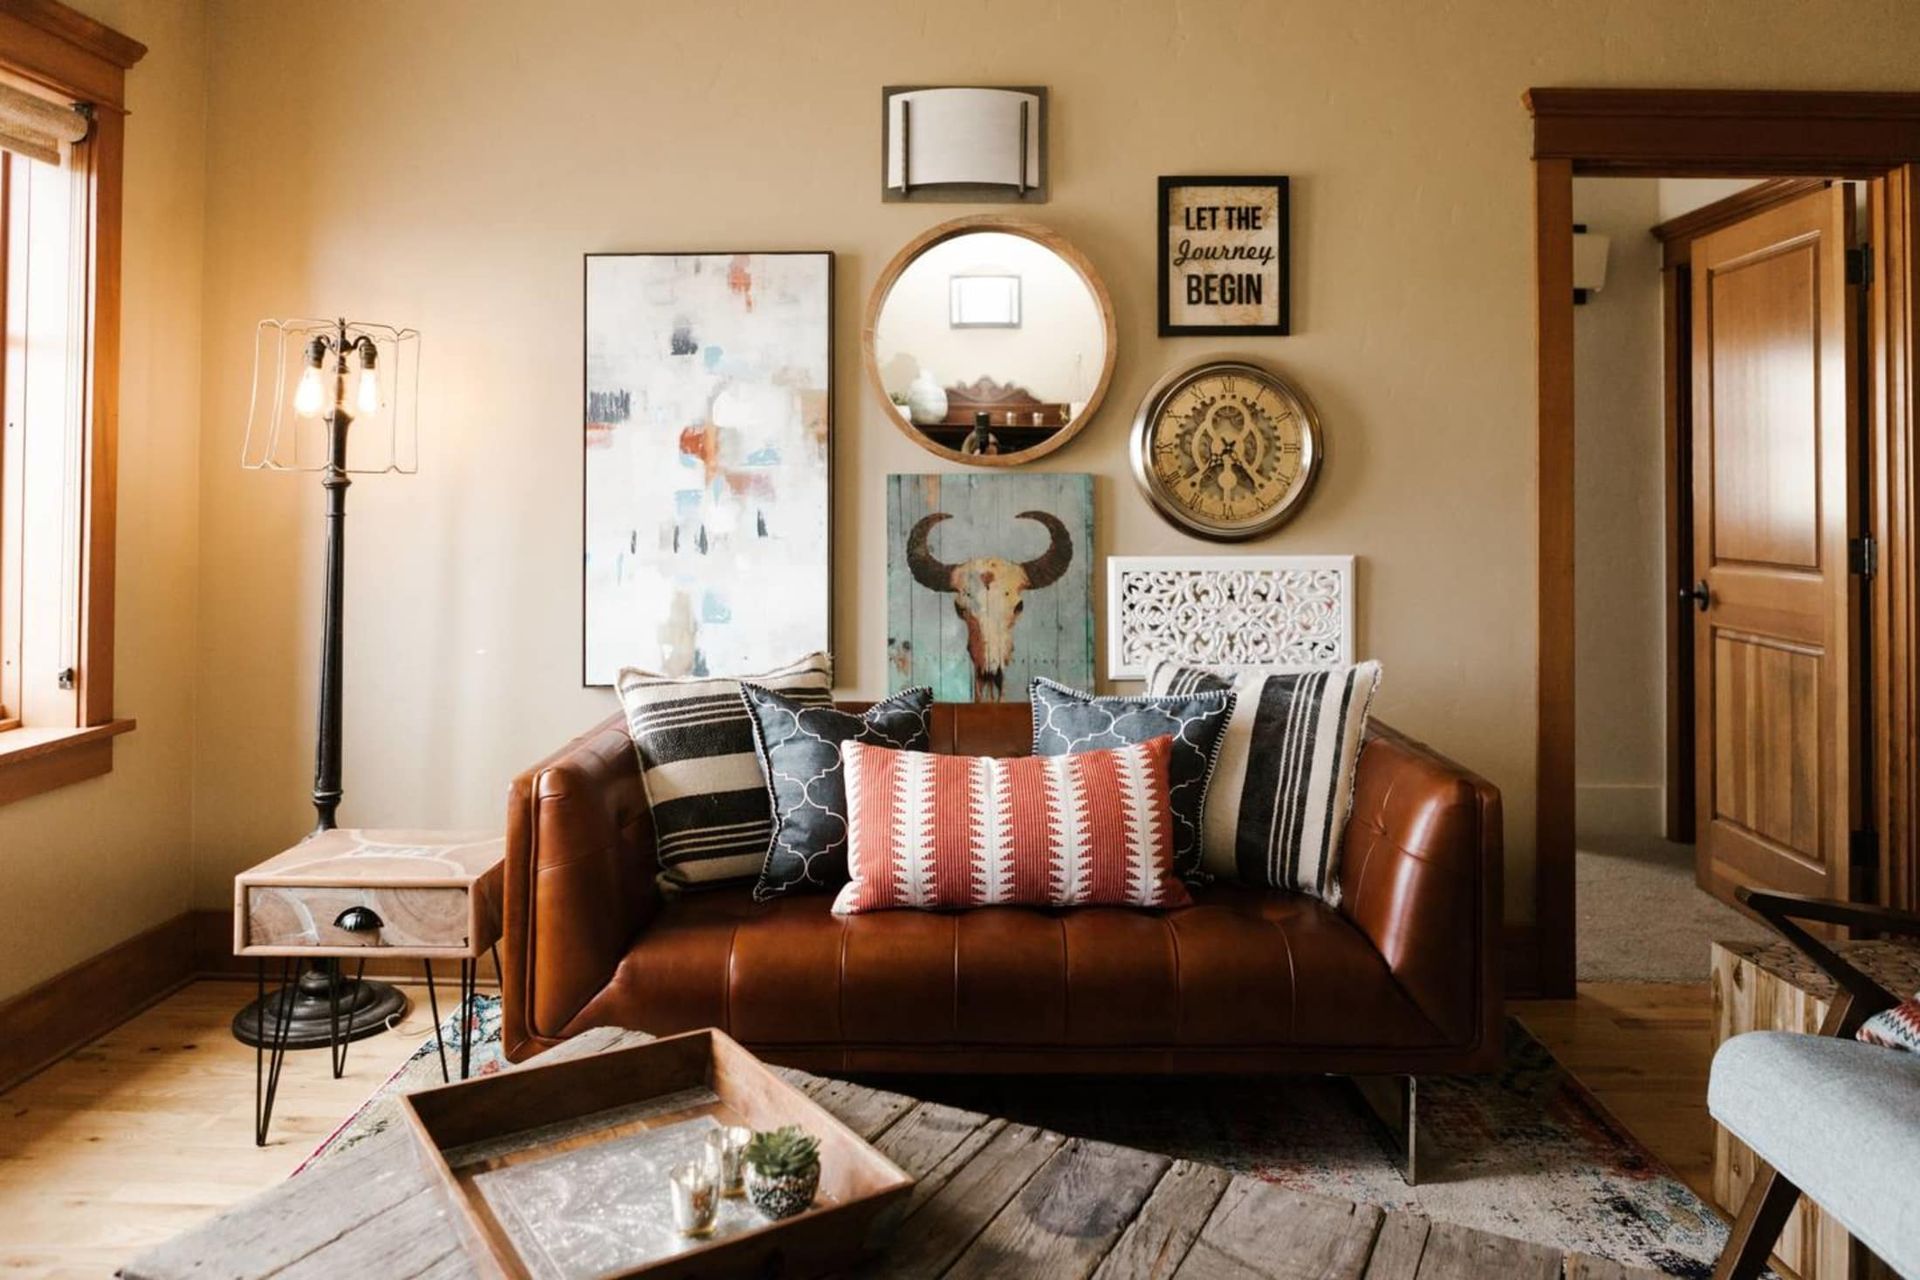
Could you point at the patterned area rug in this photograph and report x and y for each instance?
(1526, 1153)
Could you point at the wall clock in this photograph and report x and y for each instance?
(1226, 450)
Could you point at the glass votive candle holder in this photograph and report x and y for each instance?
(727, 1158)
(695, 1197)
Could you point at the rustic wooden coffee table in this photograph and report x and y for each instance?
(994, 1199)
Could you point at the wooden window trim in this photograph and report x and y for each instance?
(1722, 133)
(74, 56)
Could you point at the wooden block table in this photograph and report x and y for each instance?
(1770, 986)
(994, 1198)
(349, 893)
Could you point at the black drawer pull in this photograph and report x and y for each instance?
(358, 920)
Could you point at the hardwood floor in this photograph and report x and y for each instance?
(148, 1130)
(1643, 1049)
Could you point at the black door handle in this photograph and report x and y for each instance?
(1698, 594)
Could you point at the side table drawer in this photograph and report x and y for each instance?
(304, 915)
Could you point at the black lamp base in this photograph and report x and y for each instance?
(365, 1008)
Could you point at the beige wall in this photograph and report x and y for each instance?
(476, 150)
(88, 866)
(1619, 523)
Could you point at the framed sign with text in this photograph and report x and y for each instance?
(1223, 256)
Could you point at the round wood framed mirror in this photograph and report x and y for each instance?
(989, 340)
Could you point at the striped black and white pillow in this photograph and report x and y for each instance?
(1283, 785)
(712, 820)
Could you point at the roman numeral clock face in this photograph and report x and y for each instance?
(1226, 450)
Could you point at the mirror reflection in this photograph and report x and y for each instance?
(990, 344)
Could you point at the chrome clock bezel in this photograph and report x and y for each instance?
(1148, 418)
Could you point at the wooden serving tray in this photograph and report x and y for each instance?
(468, 1131)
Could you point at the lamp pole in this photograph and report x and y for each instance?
(326, 762)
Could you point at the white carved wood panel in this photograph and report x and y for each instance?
(1228, 611)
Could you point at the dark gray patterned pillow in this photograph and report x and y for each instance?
(799, 748)
(1067, 722)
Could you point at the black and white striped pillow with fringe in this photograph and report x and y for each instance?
(711, 816)
(1283, 784)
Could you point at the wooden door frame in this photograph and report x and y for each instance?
(1718, 133)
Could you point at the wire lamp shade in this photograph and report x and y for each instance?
(307, 369)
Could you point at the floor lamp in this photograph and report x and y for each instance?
(339, 384)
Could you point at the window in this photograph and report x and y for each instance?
(60, 169)
(42, 386)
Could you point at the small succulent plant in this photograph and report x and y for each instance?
(783, 1171)
(784, 1153)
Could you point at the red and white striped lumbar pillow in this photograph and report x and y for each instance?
(939, 831)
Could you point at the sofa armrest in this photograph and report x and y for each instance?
(1420, 876)
(579, 882)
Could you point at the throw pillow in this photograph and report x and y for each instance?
(936, 831)
(1895, 1028)
(799, 749)
(711, 818)
(1067, 721)
(1278, 803)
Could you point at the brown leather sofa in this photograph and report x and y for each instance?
(1402, 978)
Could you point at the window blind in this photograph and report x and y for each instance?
(36, 128)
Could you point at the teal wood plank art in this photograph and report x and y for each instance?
(989, 583)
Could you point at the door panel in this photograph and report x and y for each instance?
(1766, 507)
(1775, 502)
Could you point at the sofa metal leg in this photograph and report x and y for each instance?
(1394, 1104)
(1763, 1215)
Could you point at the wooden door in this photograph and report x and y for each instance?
(1776, 488)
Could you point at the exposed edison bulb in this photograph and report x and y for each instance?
(310, 394)
(366, 393)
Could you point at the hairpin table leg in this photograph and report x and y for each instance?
(439, 1040)
(469, 981)
(267, 1061)
(341, 1040)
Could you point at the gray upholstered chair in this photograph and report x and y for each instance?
(1832, 1118)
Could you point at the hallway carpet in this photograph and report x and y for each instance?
(1640, 916)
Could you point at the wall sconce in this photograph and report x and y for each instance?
(1589, 263)
(964, 145)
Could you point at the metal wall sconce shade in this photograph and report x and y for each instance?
(1589, 263)
(957, 144)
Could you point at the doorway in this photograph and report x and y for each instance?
(1705, 550)
(1869, 138)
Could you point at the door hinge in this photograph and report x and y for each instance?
(1863, 556)
(1860, 265)
(1863, 848)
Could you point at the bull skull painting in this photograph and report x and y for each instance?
(989, 582)
(989, 592)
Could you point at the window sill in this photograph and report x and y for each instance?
(37, 760)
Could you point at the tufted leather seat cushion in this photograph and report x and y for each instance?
(1239, 969)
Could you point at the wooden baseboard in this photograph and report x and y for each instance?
(1520, 962)
(42, 1025)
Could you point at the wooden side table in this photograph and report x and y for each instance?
(1770, 986)
(348, 894)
